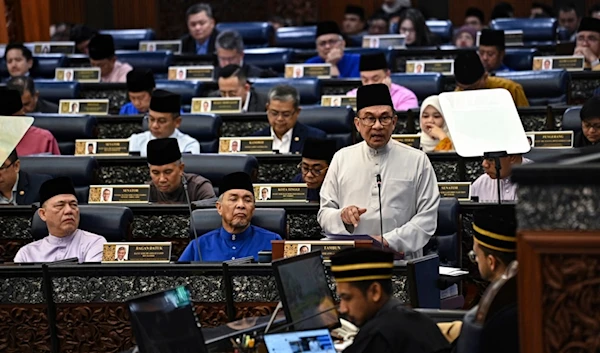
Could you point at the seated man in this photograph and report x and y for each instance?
(140, 84)
(237, 237)
(283, 109)
(491, 50)
(590, 124)
(81, 35)
(19, 59)
(102, 54)
(470, 75)
(587, 42)
(374, 69)
(316, 157)
(486, 186)
(36, 140)
(354, 21)
(163, 121)
(169, 182)
(16, 186)
(363, 279)
(32, 103)
(60, 210)
(201, 35)
(330, 47)
(233, 82)
(230, 51)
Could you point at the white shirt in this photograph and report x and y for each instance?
(409, 195)
(245, 107)
(187, 144)
(85, 246)
(13, 197)
(284, 144)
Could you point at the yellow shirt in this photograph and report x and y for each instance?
(515, 89)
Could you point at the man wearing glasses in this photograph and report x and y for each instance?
(316, 157)
(283, 108)
(588, 42)
(486, 186)
(16, 186)
(330, 50)
(163, 121)
(409, 192)
(590, 124)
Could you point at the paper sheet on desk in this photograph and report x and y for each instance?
(452, 271)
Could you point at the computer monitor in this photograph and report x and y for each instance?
(304, 292)
(314, 341)
(165, 322)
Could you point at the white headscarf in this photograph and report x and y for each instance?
(428, 143)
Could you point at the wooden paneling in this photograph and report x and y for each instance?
(457, 8)
(36, 20)
(3, 28)
(333, 10)
(135, 14)
(70, 11)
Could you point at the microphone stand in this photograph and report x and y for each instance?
(189, 204)
(380, 212)
(496, 157)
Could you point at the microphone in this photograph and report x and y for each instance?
(189, 204)
(380, 211)
(286, 326)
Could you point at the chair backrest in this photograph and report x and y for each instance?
(308, 87)
(540, 154)
(389, 54)
(255, 34)
(44, 65)
(422, 85)
(268, 58)
(571, 119)
(111, 222)
(158, 61)
(67, 129)
(520, 59)
(214, 166)
(54, 91)
(441, 28)
(302, 37)
(534, 29)
(186, 89)
(205, 128)
(422, 276)
(446, 240)
(337, 122)
(541, 87)
(129, 39)
(271, 219)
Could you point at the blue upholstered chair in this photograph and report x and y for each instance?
(214, 166)
(271, 219)
(67, 128)
(541, 87)
(423, 85)
(255, 34)
(308, 87)
(129, 39)
(54, 91)
(337, 122)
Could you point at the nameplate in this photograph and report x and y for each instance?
(196, 73)
(384, 41)
(566, 62)
(445, 66)
(83, 106)
(327, 248)
(338, 101)
(550, 139)
(308, 70)
(458, 190)
(152, 252)
(280, 192)
(80, 74)
(512, 38)
(246, 145)
(119, 193)
(413, 140)
(216, 105)
(161, 45)
(53, 47)
(105, 147)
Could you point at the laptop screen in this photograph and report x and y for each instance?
(305, 293)
(165, 322)
(314, 341)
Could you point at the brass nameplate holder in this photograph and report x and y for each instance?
(105, 147)
(551, 139)
(119, 193)
(458, 190)
(161, 45)
(569, 63)
(83, 106)
(246, 145)
(445, 66)
(123, 253)
(53, 47)
(338, 101)
(280, 192)
(80, 74)
(308, 70)
(384, 41)
(216, 105)
(327, 247)
(413, 140)
(195, 73)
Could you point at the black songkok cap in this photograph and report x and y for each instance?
(355, 10)
(492, 38)
(56, 186)
(165, 102)
(590, 109)
(162, 151)
(319, 149)
(371, 95)
(10, 102)
(496, 229)
(81, 33)
(362, 264)
(102, 46)
(468, 68)
(237, 180)
(589, 24)
(140, 80)
(327, 27)
(370, 62)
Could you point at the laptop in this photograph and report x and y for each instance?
(304, 292)
(314, 341)
(165, 322)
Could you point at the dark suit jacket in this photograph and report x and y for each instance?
(257, 103)
(255, 71)
(188, 44)
(28, 188)
(300, 134)
(43, 106)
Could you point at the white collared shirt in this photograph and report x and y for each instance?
(247, 103)
(13, 199)
(285, 143)
(187, 144)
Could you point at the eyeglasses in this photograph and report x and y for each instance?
(384, 120)
(3, 168)
(275, 114)
(159, 121)
(315, 172)
(331, 42)
(588, 126)
(472, 256)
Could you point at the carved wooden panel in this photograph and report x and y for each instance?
(9, 248)
(24, 328)
(14, 24)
